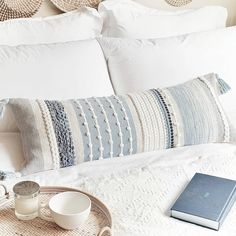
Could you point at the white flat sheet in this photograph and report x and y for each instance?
(140, 190)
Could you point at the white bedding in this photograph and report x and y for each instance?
(140, 190)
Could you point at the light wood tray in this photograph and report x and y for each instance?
(99, 222)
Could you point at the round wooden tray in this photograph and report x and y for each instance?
(98, 224)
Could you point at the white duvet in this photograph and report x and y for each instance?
(140, 190)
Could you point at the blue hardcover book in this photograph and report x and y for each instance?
(205, 201)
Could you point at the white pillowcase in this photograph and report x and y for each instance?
(125, 18)
(53, 71)
(143, 64)
(84, 23)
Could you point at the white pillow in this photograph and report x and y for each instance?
(125, 18)
(143, 64)
(84, 23)
(52, 71)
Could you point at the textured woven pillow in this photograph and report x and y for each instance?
(59, 134)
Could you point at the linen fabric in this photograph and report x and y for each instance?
(81, 24)
(11, 153)
(128, 19)
(57, 134)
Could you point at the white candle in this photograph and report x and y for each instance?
(26, 200)
(26, 206)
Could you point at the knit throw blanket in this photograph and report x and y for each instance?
(140, 198)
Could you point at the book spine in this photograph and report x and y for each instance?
(227, 207)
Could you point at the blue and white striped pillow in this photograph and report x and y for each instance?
(57, 134)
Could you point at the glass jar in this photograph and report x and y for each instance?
(26, 200)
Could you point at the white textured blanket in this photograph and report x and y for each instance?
(140, 190)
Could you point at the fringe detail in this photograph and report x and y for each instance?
(6, 175)
(223, 86)
(3, 104)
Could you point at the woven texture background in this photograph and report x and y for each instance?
(178, 3)
(70, 5)
(10, 9)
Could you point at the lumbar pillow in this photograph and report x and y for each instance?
(126, 18)
(84, 23)
(57, 134)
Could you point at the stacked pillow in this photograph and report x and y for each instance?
(60, 70)
(128, 19)
(81, 24)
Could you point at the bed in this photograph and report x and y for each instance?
(141, 188)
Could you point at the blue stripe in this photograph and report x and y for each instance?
(62, 133)
(103, 127)
(83, 130)
(168, 122)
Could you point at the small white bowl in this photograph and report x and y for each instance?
(70, 210)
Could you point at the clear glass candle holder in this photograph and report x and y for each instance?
(26, 200)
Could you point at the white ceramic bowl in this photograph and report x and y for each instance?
(69, 210)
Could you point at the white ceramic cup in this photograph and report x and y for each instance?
(69, 210)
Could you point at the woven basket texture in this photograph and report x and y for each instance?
(178, 3)
(70, 5)
(10, 9)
